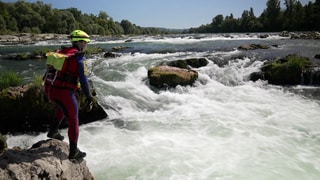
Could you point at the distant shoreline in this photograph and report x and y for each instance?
(29, 39)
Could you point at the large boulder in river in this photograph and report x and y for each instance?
(47, 159)
(167, 76)
(289, 70)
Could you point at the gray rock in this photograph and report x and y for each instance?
(253, 47)
(47, 159)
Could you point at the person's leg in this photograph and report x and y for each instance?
(51, 94)
(71, 113)
(54, 126)
(68, 108)
(72, 117)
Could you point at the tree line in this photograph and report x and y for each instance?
(38, 17)
(294, 17)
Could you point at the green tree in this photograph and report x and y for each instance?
(298, 17)
(127, 27)
(244, 21)
(12, 25)
(85, 22)
(254, 24)
(4, 11)
(317, 15)
(216, 23)
(229, 24)
(271, 16)
(290, 5)
(118, 28)
(76, 13)
(45, 11)
(27, 20)
(312, 16)
(21, 16)
(2, 24)
(103, 23)
(103, 15)
(61, 21)
(101, 31)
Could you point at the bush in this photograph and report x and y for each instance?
(42, 51)
(37, 81)
(9, 79)
(3, 143)
(94, 50)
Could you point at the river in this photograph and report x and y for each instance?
(224, 127)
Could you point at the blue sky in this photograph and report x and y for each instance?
(178, 14)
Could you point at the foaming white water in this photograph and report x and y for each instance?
(175, 39)
(194, 38)
(210, 131)
(223, 127)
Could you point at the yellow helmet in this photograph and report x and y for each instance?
(78, 35)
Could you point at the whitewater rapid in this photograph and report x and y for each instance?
(223, 127)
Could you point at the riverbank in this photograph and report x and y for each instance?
(29, 39)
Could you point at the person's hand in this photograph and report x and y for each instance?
(88, 104)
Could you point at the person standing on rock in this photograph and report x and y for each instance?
(65, 69)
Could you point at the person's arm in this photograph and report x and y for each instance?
(85, 86)
(82, 68)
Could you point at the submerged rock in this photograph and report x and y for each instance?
(47, 159)
(253, 47)
(111, 55)
(188, 63)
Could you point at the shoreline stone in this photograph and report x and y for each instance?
(47, 159)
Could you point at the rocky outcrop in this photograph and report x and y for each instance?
(47, 159)
(167, 76)
(25, 109)
(300, 35)
(289, 70)
(253, 47)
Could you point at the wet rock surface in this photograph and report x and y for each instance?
(47, 159)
